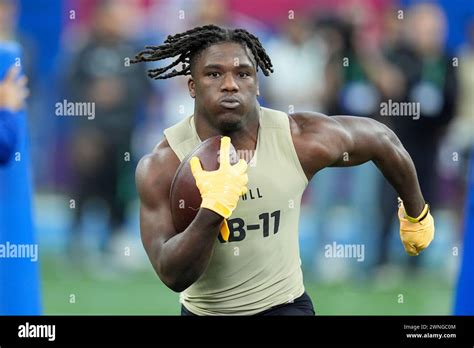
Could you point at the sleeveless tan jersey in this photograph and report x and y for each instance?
(259, 267)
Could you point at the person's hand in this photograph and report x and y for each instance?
(13, 90)
(220, 189)
(416, 233)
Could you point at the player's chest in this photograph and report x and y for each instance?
(263, 210)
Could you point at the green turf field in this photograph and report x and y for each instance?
(136, 293)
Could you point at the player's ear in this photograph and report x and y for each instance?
(192, 88)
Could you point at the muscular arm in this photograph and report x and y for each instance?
(341, 141)
(179, 259)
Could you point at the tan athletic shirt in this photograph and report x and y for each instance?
(260, 266)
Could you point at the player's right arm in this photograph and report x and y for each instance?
(179, 259)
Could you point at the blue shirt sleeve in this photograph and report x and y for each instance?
(8, 135)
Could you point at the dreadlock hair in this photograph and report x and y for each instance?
(189, 44)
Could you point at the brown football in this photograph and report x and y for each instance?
(185, 198)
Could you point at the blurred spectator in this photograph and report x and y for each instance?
(99, 74)
(458, 145)
(430, 80)
(352, 78)
(298, 57)
(401, 56)
(434, 86)
(462, 130)
(349, 86)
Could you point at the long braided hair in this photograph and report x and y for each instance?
(187, 45)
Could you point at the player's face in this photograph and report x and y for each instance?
(225, 85)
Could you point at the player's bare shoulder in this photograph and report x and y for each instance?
(304, 124)
(314, 135)
(155, 172)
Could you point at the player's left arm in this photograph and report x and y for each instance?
(341, 141)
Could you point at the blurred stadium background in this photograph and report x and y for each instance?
(85, 204)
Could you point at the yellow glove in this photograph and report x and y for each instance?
(220, 189)
(416, 233)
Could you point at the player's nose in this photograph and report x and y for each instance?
(229, 84)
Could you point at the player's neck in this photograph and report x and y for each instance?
(243, 138)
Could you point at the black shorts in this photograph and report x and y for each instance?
(300, 306)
